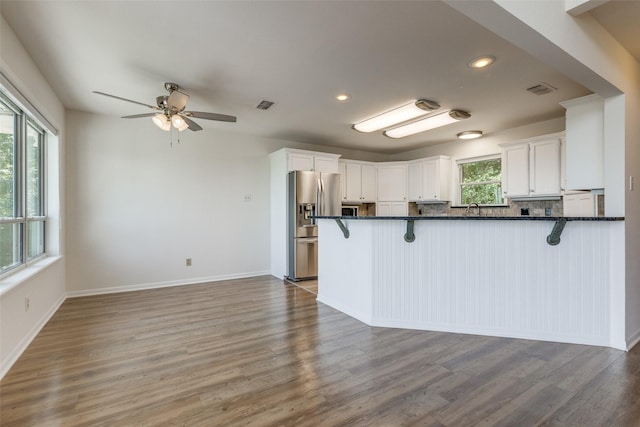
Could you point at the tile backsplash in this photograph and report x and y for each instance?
(515, 208)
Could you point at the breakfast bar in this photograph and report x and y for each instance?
(544, 278)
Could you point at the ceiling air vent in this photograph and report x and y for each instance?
(264, 105)
(541, 89)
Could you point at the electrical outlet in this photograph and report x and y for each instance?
(27, 303)
(630, 183)
(247, 197)
(188, 262)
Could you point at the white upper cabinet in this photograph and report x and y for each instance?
(300, 160)
(515, 171)
(584, 143)
(360, 182)
(430, 179)
(392, 182)
(326, 164)
(545, 167)
(533, 167)
(342, 168)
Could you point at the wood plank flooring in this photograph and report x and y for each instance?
(262, 352)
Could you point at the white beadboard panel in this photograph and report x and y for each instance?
(345, 268)
(483, 277)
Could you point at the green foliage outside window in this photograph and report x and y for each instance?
(7, 178)
(7, 172)
(21, 189)
(481, 183)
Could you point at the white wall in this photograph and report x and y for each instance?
(138, 207)
(45, 287)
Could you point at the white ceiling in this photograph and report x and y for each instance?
(230, 55)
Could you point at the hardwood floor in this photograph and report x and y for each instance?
(307, 285)
(262, 352)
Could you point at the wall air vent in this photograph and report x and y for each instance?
(264, 105)
(541, 89)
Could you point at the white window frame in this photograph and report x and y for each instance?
(21, 217)
(458, 176)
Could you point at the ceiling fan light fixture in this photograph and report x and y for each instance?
(179, 123)
(470, 134)
(428, 123)
(397, 115)
(162, 122)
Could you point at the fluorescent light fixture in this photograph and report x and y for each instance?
(179, 123)
(162, 122)
(400, 114)
(482, 61)
(470, 134)
(428, 123)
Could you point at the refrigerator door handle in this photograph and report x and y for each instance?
(320, 198)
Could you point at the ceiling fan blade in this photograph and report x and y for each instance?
(127, 100)
(177, 100)
(192, 125)
(136, 116)
(210, 116)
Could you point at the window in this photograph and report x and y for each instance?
(22, 207)
(480, 181)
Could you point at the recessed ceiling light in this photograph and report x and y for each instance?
(343, 97)
(482, 61)
(470, 134)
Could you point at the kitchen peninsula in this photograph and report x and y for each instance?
(544, 278)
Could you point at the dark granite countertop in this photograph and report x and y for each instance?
(475, 218)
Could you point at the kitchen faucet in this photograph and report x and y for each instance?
(477, 208)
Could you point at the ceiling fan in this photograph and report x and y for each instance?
(169, 110)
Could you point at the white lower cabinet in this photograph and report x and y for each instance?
(580, 205)
(392, 209)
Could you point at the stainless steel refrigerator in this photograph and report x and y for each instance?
(309, 194)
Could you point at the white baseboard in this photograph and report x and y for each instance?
(156, 285)
(633, 340)
(15, 354)
(363, 317)
(536, 335)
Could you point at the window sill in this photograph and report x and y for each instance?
(14, 279)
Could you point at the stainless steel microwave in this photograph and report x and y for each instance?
(349, 211)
